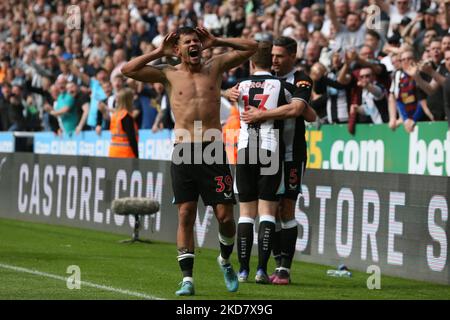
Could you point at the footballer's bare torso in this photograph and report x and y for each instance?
(194, 96)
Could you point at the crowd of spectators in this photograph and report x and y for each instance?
(372, 61)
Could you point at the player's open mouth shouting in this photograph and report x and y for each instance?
(194, 53)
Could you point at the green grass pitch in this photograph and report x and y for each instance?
(152, 270)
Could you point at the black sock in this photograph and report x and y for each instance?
(265, 235)
(288, 241)
(245, 242)
(186, 262)
(276, 245)
(226, 246)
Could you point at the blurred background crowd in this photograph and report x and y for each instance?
(372, 61)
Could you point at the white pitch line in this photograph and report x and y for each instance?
(83, 283)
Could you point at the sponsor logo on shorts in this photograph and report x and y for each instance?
(228, 195)
(293, 186)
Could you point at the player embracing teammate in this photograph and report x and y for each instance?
(271, 157)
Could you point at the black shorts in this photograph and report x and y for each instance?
(251, 184)
(194, 176)
(292, 176)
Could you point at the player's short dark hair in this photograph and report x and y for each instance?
(374, 34)
(184, 30)
(263, 56)
(286, 42)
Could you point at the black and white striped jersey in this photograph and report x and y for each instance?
(294, 128)
(265, 92)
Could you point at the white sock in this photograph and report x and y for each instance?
(223, 261)
(190, 279)
(285, 269)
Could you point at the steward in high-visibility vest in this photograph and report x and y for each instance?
(124, 130)
(231, 134)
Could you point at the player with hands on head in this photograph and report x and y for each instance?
(193, 88)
